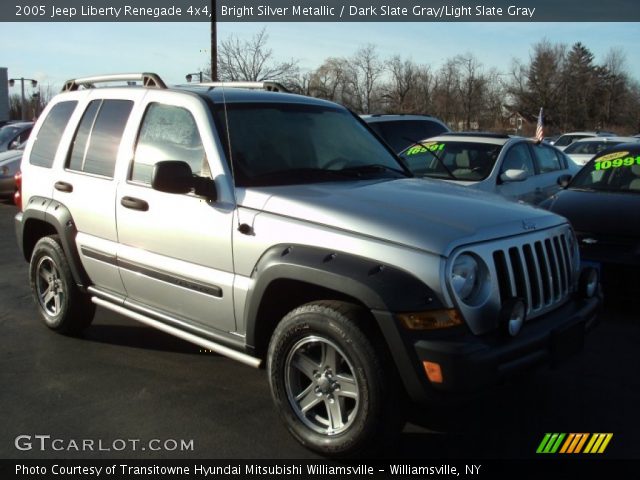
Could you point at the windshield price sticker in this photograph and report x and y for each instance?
(430, 146)
(616, 160)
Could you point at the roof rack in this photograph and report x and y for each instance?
(150, 80)
(267, 85)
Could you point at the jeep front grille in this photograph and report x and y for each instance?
(539, 271)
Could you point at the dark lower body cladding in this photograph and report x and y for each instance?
(469, 362)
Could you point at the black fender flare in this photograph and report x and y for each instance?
(377, 286)
(59, 217)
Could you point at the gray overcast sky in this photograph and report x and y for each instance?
(54, 52)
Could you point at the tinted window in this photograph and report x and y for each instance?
(617, 172)
(79, 146)
(547, 159)
(518, 158)
(277, 144)
(46, 144)
(400, 134)
(100, 154)
(168, 133)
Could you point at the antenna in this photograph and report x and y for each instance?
(242, 227)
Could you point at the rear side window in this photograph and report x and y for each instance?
(96, 143)
(46, 144)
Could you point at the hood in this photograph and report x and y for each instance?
(425, 214)
(605, 213)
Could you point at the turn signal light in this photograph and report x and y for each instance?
(433, 371)
(431, 319)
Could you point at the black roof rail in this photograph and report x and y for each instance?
(269, 86)
(150, 80)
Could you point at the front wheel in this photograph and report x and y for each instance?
(330, 381)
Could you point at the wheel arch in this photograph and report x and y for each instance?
(288, 276)
(44, 217)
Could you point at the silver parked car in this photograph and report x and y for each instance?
(9, 166)
(583, 150)
(514, 167)
(563, 141)
(277, 230)
(12, 135)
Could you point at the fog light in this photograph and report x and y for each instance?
(433, 371)
(513, 313)
(588, 284)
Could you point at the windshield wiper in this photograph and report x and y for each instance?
(440, 161)
(371, 168)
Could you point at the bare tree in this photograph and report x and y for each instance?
(252, 60)
(364, 75)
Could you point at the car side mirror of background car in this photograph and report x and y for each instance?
(563, 180)
(14, 145)
(513, 175)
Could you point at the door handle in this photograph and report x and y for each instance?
(63, 187)
(134, 203)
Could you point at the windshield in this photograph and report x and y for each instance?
(614, 172)
(278, 144)
(589, 148)
(467, 161)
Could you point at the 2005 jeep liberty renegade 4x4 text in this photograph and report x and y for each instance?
(278, 230)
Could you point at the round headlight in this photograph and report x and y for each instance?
(464, 276)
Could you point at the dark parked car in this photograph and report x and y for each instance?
(13, 135)
(400, 131)
(603, 204)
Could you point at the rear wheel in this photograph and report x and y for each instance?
(61, 304)
(330, 381)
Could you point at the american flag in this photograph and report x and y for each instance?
(540, 127)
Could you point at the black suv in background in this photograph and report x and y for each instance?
(401, 131)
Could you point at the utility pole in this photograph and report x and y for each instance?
(214, 43)
(12, 82)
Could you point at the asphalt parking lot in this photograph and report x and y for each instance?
(122, 380)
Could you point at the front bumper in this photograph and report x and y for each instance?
(470, 363)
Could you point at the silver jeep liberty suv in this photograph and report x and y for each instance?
(278, 230)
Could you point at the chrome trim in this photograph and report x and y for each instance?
(176, 332)
(510, 262)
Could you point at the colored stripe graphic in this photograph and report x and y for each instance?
(550, 443)
(573, 443)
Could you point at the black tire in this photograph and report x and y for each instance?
(63, 307)
(353, 408)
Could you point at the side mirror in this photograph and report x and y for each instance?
(174, 176)
(563, 180)
(513, 175)
(14, 145)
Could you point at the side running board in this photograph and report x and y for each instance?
(176, 332)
